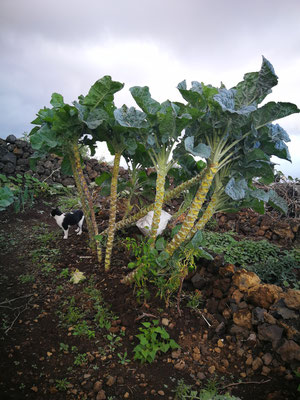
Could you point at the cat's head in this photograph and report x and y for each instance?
(55, 212)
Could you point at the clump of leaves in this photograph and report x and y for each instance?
(279, 270)
(20, 191)
(62, 384)
(80, 358)
(268, 261)
(184, 392)
(153, 339)
(26, 278)
(195, 300)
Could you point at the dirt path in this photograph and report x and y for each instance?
(65, 341)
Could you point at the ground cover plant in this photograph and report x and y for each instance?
(124, 326)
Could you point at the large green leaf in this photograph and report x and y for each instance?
(92, 118)
(167, 124)
(256, 85)
(272, 141)
(256, 155)
(103, 90)
(57, 100)
(277, 202)
(44, 138)
(194, 97)
(66, 167)
(236, 189)
(131, 118)
(226, 99)
(6, 197)
(259, 194)
(271, 112)
(144, 100)
(201, 150)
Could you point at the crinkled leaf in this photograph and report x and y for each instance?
(57, 100)
(277, 202)
(256, 85)
(236, 189)
(167, 124)
(131, 117)
(144, 100)
(271, 112)
(272, 141)
(151, 140)
(255, 155)
(92, 118)
(103, 90)
(44, 137)
(201, 150)
(226, 99)
(193, 95)
(278, 133)
(259, 194)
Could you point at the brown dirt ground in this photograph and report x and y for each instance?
(31, 332)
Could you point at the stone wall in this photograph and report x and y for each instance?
(14, 159)
(249, 223)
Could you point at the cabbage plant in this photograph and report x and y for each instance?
(237, 138)
(158, 127)
(63, 128)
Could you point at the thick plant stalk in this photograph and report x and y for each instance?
(208, 213)
(168, 196)
(112, 210)
(159, 200)
(189, 221)
(88, 197)
(84, 204)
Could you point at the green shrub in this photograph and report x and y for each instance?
(153, 339)
(268, 261)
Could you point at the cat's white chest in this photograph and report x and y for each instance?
(59, 219)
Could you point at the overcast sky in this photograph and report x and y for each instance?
(66, 45)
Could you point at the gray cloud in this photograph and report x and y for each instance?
(64, 46)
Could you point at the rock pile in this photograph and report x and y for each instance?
(15, 155)
(261, 319)
(250, 223)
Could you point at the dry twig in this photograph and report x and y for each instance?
(245, 383)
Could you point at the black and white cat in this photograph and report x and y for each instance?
(65, 220)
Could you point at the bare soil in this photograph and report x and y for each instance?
(37, 352)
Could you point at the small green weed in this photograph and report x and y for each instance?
(72, 314)
(63, 347)
(48, 269)
(123, 358)
(80, 358)
(62, 384)
(185, 392)
(64, 273)
(26, 278)
(114, 342)
(153, 339)
(103, 316)
(83, 329)
(195, 300)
